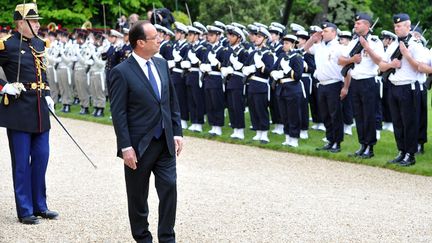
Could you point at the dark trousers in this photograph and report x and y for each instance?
(290, 111)
(331, 111)
(180, 88)
(214, 101)
(386, 115)
(236, 107)
(404, 103)
(363, 93)
(314, 104)
(158, 160)
(274, 108)
(347, 109)
(195, 97)
(258, 110)
(378, 106)
(304, 103)
(29, 153)
(422, 136)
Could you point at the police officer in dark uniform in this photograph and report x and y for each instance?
(404, 91)
(27, 96)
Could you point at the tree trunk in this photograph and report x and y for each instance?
(321, 16)
(287, 10)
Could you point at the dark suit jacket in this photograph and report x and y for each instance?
(136, 110)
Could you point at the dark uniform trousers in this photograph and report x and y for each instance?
(422, 136)
(314, 104)
(378, 106)
(214, 100)
(404, 104)
(330, 108)
(258, 110)
(386, 115)
(290, 99)
(158, 160)
(29, 178)
(363, 94)
(180, 88)
(274, 108)
(236, 107)
(195, 98)
(304, 103)
(347, 109)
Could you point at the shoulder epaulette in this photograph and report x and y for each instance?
(2, 41)
(225, 49)
(47, 43)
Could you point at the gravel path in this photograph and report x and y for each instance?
(227, 193)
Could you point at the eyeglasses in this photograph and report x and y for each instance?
(157, 37)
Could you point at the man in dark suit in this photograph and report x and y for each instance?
(146, 120)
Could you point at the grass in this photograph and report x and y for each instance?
(384, 150)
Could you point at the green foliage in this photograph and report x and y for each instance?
(181, 17)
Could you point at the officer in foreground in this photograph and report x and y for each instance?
(28, 96)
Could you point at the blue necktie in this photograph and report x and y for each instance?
(152, 79)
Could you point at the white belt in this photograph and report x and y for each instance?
(79, 68)
(286, 80)
(194, 69)
(306, 75)
(330, 81)
(214, 73)
(262, 80)
(239, 74)
(177, 70)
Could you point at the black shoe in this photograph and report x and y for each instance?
(76, 101)
(326, 147)
(368, 153)
(29, 220)
(335, 148)
(359, 152)
(398, 158)
(99, 112)
(408, 160)
(420, 149)
(47, 214)
(66, 109)
(84, 111)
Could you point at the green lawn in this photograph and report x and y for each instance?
(384, 150)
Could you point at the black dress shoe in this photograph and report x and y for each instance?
(335, 148)
(420, 149)
(76, 101)
(84, 111)
(359, 152)
(326, 147)
(408, 160)
(66, 109)
(398, 158)
(99, 112)
(29, 220)
(368, 153)
(47, 214)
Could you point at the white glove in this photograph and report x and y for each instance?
(258, 60)
(176, 55)
(205, 67)
(171, 63)
(10, 89)
(235, 62)
(277, 74)
(248, 70)
(192, 57)
(50, 103)
(212, 59)
(227, 71)
(89, 62)
(185, 64)
(285, 65)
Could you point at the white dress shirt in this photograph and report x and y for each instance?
(143, 64)
(326, 59)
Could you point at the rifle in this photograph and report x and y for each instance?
(397, 54)
(358, 48)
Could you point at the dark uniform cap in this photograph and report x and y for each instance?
(363, 16)
(401, 17)
(26, 11)
(328, 25)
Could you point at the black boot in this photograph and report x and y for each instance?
(368, 153)
(335, 148)
(84, 111)
(408, 160)
(99, 112)
(398, 158)
(76, 101)
(66, 109)
(359, 152)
